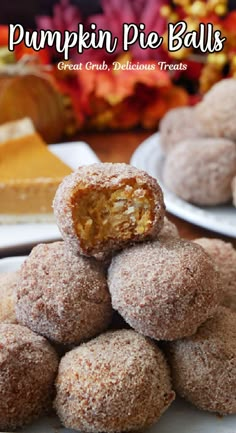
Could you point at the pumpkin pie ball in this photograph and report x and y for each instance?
(201, 170)
(177, 125)
(203, 366)
(234, 191)
(216, 112)
(168, 231)
(62, 296)
(8, 282)
(164, 290)
(117, 382)
(104, 207)
(28, 367)
(224, 256)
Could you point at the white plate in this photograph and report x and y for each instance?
(14, 237)
(221, 219)
(180, 418)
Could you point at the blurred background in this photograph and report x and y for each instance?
(24, 11)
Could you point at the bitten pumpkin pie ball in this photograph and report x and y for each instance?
(201, 170)
(224, 256)
(177, 125)
(28, 366)
(62, 296)
(164, 290)
(103, 207)
(115, 383)
(204, 366)
(216, 112)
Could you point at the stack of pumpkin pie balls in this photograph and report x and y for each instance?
(120, 258)
(200, 147)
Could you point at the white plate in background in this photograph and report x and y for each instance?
(14, 237)
(181, 417)
(221, 219)
(11, 264)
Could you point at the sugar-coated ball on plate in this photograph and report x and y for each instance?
(116, 382)
(168, 231)
(177, 125)
(224, 256)
(28, 366)
(62, 296)
(217, 111)
(8, 282)
(234, 190)
(204, 366)
(201, 170)
(164, 290)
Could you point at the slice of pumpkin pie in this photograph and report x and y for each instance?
(29, 177)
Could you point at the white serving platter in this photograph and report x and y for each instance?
(15, 237)
(220, 219)
(181, 417)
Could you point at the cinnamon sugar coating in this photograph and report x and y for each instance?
(224, 256)
(204, 366)
(115, 383)
(62, 296)
(201, 170)
(168, 231)
(164, 290)
(177, 125)
(8, 297)
(104, 207)
(234, 190)
(216, 112)
(28, 366)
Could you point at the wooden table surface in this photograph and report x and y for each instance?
(118, 147)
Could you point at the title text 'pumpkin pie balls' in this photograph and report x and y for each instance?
(224, 256)
(216, 112)
(234, 190)
(204, 366)
(201, 170)
(62, 296)
(8, 281)
(28, 367)
(177, 125)
(115, 383)
(164, 290)
(104, 207)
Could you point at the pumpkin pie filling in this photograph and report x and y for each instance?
(29, 177)
(124, 212)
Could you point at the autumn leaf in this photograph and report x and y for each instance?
(3, 36)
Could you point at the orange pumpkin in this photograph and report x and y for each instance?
(35, 97)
